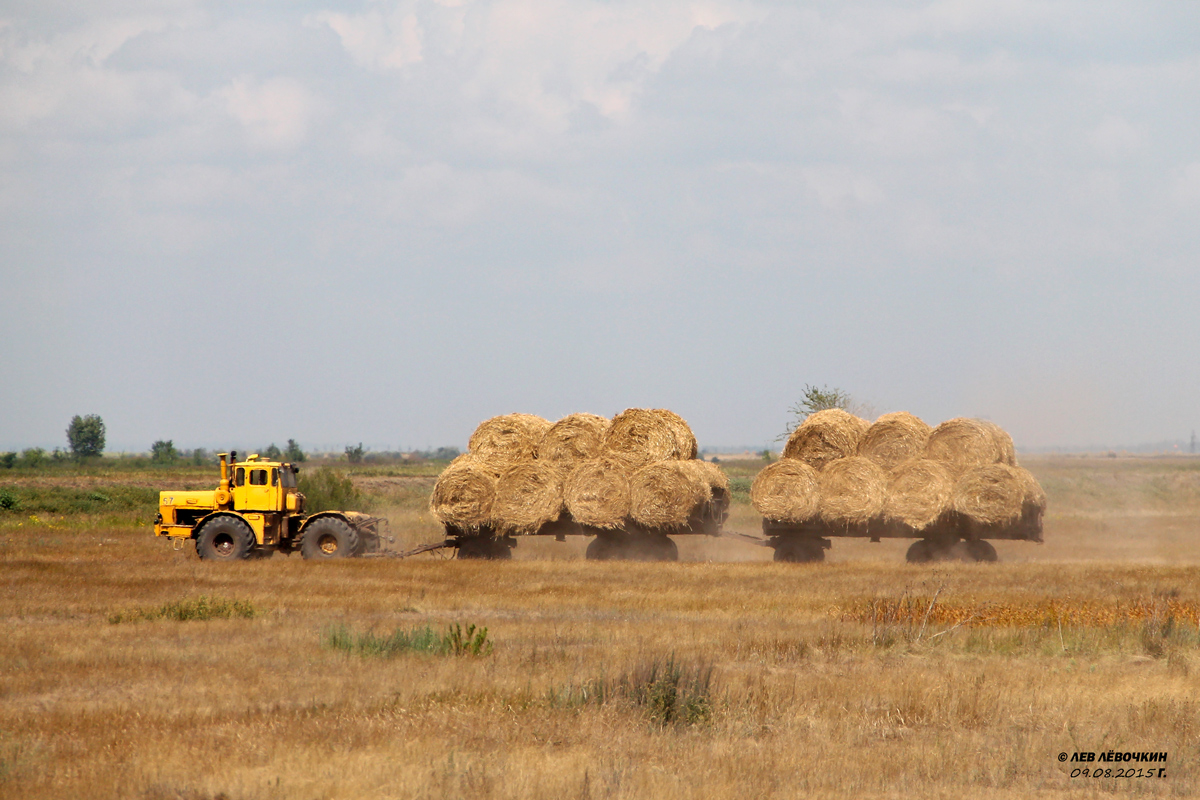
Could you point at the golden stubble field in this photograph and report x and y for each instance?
(860, 677)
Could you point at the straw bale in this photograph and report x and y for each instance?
(508, 439)
(853, 490)
(527, 497)
(710, 473)
(465, 492)
(685, 440)
(991, 494)
(825, 436)
(640, 436)
(1032, 492)
(919, 491)
(894, 438)
(572, 440)
(664, 494)
(963, 444)
(1004, 443)
(597, 493)
(786, 491)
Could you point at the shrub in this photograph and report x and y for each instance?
(8, 460)
(33, 457)
(355, 454)
(329, 490)
(456, 641)
(9, 501)
(293, 453)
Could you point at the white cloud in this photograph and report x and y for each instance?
(275, 113)
(1187, 184)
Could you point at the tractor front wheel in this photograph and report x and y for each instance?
(328, 537)
(224, 539)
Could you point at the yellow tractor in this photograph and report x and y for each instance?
(257, 510)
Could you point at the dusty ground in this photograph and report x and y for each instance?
(828, 680)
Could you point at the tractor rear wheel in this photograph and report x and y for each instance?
(328, 537)
(224, 539)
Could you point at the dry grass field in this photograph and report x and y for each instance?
(860, 677)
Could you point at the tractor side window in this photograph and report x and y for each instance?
(274, 477)
(258, 477)
(289, 479)
(239, 477)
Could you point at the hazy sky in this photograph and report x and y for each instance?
(240, 222)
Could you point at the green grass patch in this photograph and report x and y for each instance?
(200, 608)
(122, 500)
(455, 641)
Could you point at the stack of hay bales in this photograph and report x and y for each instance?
(839, 469)
(522, 473)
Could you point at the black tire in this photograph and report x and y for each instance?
(980, 550)
(481, 547)
(603, 548)
(799, 551)
(224, 539)
(328, 537)
(920, 552)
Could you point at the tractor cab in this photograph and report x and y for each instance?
(267, 486)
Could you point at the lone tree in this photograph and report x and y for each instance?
(813, 400)
(85, 435)
(164, 452)
(293, 453)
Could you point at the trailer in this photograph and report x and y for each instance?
(630, 542)
(952, 537)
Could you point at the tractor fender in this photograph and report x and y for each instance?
(200, 523)
(335, 514)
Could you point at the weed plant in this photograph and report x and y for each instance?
(668, 691)
(456, 641)
(201, 608)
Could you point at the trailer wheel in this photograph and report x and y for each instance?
(799, 551)
(328, 537)
(224, 539)
(603, 548)
(488, 548)
(980, 550)
(920, 552)
(649, 547)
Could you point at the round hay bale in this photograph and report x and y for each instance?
(597, 493)
(852, 490)
(991, 494)
(825, 436)
(708, 472)
(963, 444)
(508, 439)
(1032, 492)
(894, 438)
(919, 491)
(640, 436)
(663, 495)
(527, 497)
(786, 491)
(685, 440)
(1004, 443)
(572, 440)
(464, 493)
